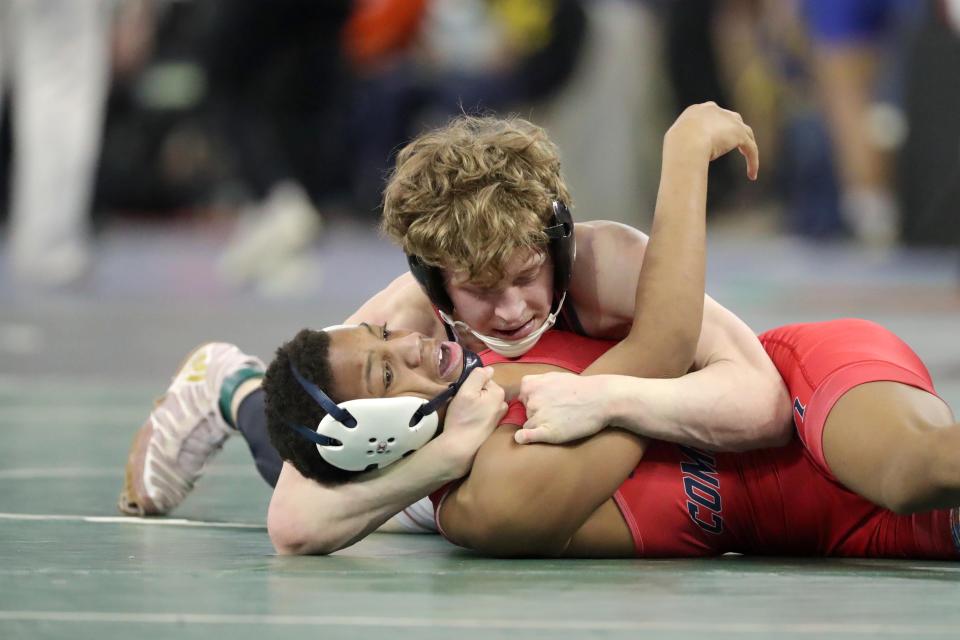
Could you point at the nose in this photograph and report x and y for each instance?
(510, 307)
(410, 349)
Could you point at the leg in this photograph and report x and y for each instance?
(250, 417)
(867, 414)
(845, 62)
(896, 445)
(188, 426)
(60, 70)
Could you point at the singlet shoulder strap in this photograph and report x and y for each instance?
(571, 321)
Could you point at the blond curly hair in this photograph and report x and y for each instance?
(466, 196)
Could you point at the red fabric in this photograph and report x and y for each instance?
(682, 502)
(821, 361)
(377, 28)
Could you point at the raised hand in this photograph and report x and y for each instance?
(716, 132)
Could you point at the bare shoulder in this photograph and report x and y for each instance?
(598, 238)
(401, 304)
(605, 274)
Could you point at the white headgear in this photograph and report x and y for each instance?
(370, 433)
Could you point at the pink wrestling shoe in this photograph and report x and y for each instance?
(185, 429)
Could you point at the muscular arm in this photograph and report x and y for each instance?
(531, 500)
(734, 401)
(667, 312)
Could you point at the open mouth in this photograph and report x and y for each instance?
(518, 332)
(449, 358)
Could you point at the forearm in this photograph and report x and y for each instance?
(531, 500)
(669, 298)
(306, 517)
(718, 408)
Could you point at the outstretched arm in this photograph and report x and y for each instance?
(669, 299)
(306, 517)
(735, 399)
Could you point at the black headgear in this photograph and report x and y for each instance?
(561, 243)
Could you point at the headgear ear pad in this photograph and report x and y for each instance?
(561, 243)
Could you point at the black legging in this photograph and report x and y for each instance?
(252, 423)
(278, 88)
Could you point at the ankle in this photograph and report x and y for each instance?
(235, 389)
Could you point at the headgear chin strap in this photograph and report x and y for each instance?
(360, 435)
(509, 348)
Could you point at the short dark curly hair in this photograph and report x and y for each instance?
(287, 403)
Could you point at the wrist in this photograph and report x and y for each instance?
(619, 404)
(681, 144)
(452, 457)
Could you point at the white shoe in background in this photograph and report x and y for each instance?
(271, 236)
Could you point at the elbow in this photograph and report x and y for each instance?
(778, 434)
(506, 530)
(776, 426)
(511, 537)
(771, 427)
(291, 535)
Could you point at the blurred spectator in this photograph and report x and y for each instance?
(609, 115)
(55, 59)
(930, 158)
(469, 56)
(853, 40)
(695, 77)
(279, 89)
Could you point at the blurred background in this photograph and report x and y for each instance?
(175, 171)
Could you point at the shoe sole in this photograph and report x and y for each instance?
(134, 500)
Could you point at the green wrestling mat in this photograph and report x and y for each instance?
(78, 374)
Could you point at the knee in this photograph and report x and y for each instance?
(925, 478)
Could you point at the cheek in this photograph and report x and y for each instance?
(471, 310)
(538, 297)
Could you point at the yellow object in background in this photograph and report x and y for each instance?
(526, 23)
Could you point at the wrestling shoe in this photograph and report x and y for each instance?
(186, 428)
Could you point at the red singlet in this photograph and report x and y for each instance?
(682, 502)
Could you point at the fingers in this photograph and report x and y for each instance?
(748, 146)
(532, 435)
(477, 380)
(527, 386)
(751, 152)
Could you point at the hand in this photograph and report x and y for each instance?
(718, 131)
(472, 416)
(561, 407)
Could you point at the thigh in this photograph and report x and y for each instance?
(882, 430)
(821, 363)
